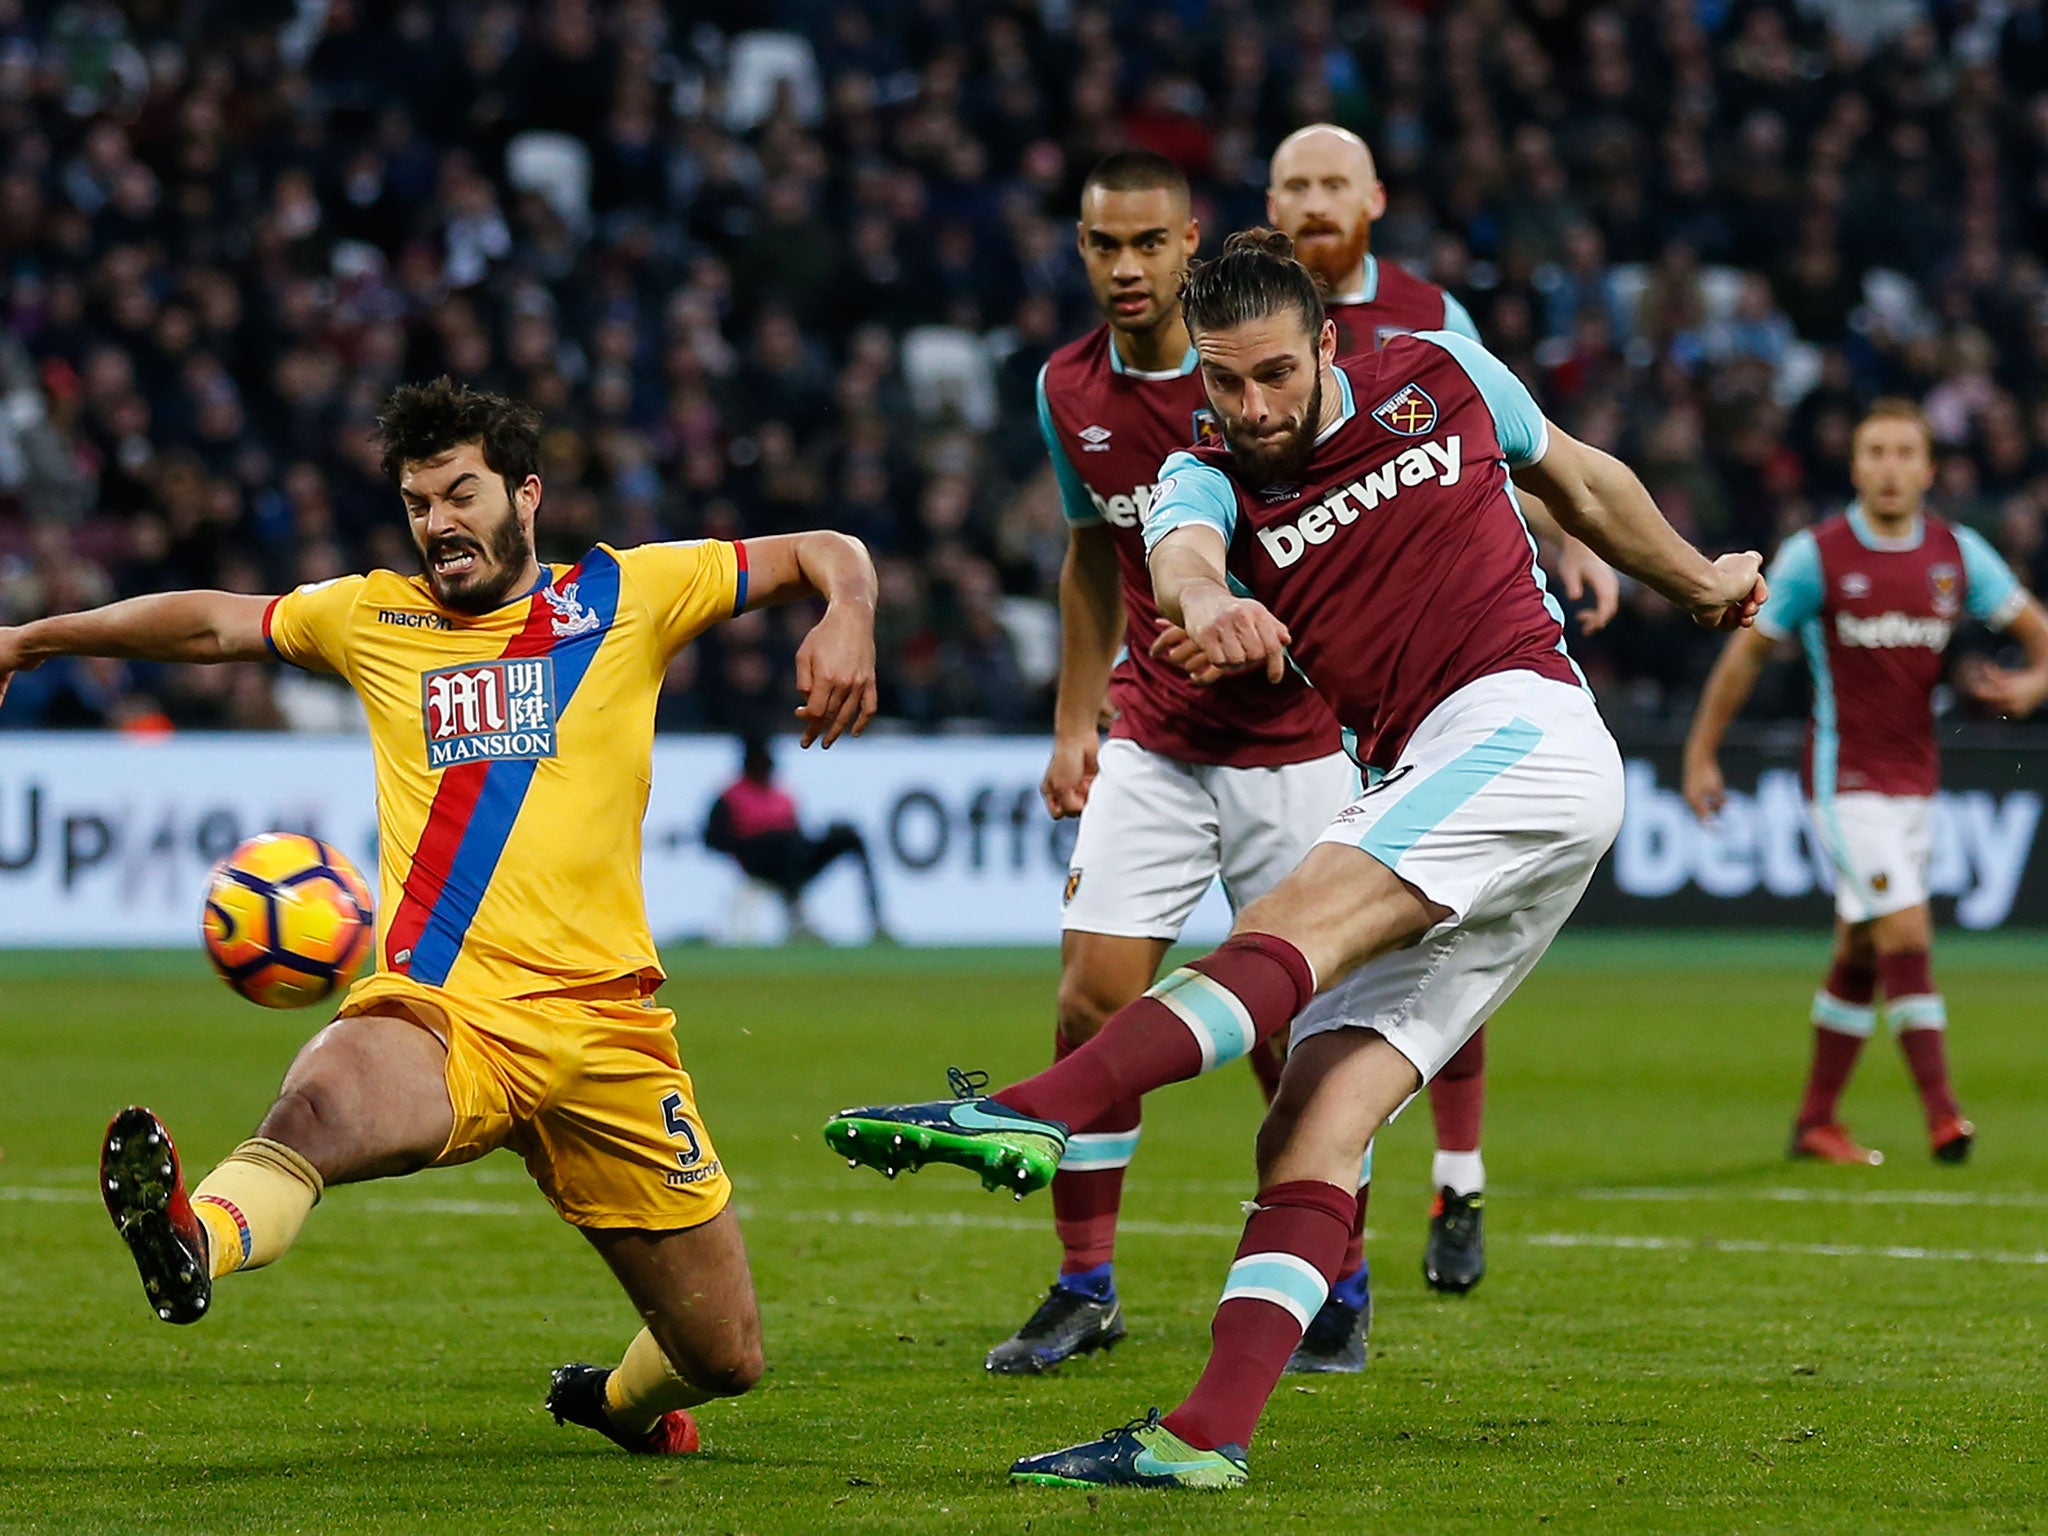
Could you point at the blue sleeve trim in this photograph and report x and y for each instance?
(1798, 586)
(1991, 592)
(1075, 501)
(1190, 492)
(1458, 320)
(1517, 420)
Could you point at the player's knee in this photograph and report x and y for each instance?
(1084, 1005)
(727, 1367)
(304, 1118)
(1276, 1133)
(729, 1375)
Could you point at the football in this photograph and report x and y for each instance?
(288, 921)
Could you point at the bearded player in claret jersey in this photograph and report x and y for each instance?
(1193, 783)
(1356, 522)
(1874, 596)
(1323, 191)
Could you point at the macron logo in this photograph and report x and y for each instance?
(1892, 631)
(1288, 542)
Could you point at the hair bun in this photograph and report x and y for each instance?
(1261, 238)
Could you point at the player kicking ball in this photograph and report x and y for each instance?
(511, 712)
(1233, 781)
(1874, 596)
(1365, 507)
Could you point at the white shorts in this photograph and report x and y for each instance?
(1157, 831)
(1499, 808)
(1880, 846)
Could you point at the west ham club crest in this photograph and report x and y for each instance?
(1408, 411)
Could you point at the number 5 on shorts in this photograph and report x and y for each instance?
(679, 1127)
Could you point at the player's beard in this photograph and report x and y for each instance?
(487, 584)
(1332, 259)
(1270, 461)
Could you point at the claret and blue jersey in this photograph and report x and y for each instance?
(1393, 302)
(1400, 562)
(1874, 616)
(1106, 429)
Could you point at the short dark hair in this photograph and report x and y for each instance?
(423, 421)
(1899, 408)
(1255, 276)
(1137, 170)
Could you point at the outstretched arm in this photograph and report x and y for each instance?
(166, 626)
(1234, 634)
(835, 666)
(1727, 690)
(1597, 498)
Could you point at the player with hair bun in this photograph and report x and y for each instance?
(1193, 784)
(1356, 521)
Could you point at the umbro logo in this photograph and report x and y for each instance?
(1855, 584)
(1094, 439)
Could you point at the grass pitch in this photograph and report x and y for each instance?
(1680, 1332)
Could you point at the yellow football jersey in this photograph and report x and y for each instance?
(514, 751)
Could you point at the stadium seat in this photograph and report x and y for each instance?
(557, 167)
(759, 63)
(949, 374)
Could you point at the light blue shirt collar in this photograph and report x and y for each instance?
(1368, 290)
(1869, 537)
(1188, 364)
(1348, 410)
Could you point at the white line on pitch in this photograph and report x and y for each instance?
(1795, 1250)
(1797, 1196)
(970, 1221)
(1962, 1199)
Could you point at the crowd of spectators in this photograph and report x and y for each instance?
(768, 264)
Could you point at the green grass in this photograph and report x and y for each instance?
(1617, 1371)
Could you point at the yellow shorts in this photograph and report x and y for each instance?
(585, 1085)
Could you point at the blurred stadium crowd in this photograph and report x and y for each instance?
(797, 262)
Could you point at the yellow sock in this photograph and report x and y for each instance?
(254, 1203)
(644, 1386)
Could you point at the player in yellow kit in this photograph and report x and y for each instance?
(511, 711)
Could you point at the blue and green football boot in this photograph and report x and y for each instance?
(1143, 1454)
(1007, 1150)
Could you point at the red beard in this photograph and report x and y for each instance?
(1330, 260)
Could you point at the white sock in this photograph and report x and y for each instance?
(1462, 1173)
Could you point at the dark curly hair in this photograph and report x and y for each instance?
(1255, 276)
(423, 421)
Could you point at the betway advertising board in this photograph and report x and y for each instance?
(106, 840)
